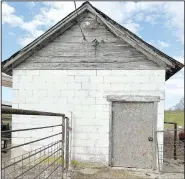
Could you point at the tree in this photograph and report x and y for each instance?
(180, 105)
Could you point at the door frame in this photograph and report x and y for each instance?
(131, 98)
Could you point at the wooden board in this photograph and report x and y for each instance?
(70, 51)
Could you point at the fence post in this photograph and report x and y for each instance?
(175, 141)
(63, 144)
(67, 143)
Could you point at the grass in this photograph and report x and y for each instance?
(75, 162)
(60, 161)
(50, 160)
(174, 116)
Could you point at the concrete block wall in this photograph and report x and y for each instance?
(82, 96)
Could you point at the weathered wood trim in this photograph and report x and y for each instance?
(90, 52)
(110, 135)
(90, 66)
(155, 113)
(6, 80)
(82, 58)
(130, 98)
(74, 39)
(142, 48)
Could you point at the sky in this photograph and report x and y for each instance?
(159, 23)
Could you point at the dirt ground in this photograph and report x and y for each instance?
(169, 163)
(103, 172)
(169, 146)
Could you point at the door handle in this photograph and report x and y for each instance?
(150, 138)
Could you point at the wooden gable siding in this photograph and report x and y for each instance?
(70, 51)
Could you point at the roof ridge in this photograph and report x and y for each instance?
(86, 2)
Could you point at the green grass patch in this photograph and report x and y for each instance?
(174, 116)
(86, 164)
(50, 160)
(75, 162)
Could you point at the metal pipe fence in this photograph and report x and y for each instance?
(171, 151)
(42, 157)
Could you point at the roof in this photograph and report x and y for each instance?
(171, 65)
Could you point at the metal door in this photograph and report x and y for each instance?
(132, 132)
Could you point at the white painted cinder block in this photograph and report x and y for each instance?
(82, 79)
(80, 94)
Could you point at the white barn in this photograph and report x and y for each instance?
(108, 81)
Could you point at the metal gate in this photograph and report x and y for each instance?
(50, 160)
(171, 150)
